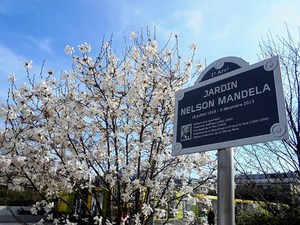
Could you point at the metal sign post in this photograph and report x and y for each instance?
(226, 212)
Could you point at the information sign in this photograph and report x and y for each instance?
(244, 106)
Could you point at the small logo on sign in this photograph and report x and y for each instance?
(186, 132)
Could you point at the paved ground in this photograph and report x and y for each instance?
(15, 223)
(12, 223)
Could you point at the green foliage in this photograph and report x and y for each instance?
(252, 217)
(17, 198)
(284, 216)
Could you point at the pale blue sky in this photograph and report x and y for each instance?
(40, 29)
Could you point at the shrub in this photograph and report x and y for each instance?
(17, 198)
(283, 216)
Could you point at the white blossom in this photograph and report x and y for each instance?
(132, 35)
(68, 222)
(19, 160)
(137, 220)
(109, 222)
(193, 46)
(163, 202)
(11, 77)
(199, 65)
(191, 200)
(41, 222)
(98, 220)
(34, 210)
(146, 209)
(105, 45)
(174, 211)
(160, 213)
(49, 207)
(69, 50)
(56, 221)
(4, 162)
(12, 114)
(28, 64)
(49, 216)
(190, 217)
(84, 48)
(188, 63)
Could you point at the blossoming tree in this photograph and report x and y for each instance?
(108, 124)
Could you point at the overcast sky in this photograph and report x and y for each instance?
(40, 29)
